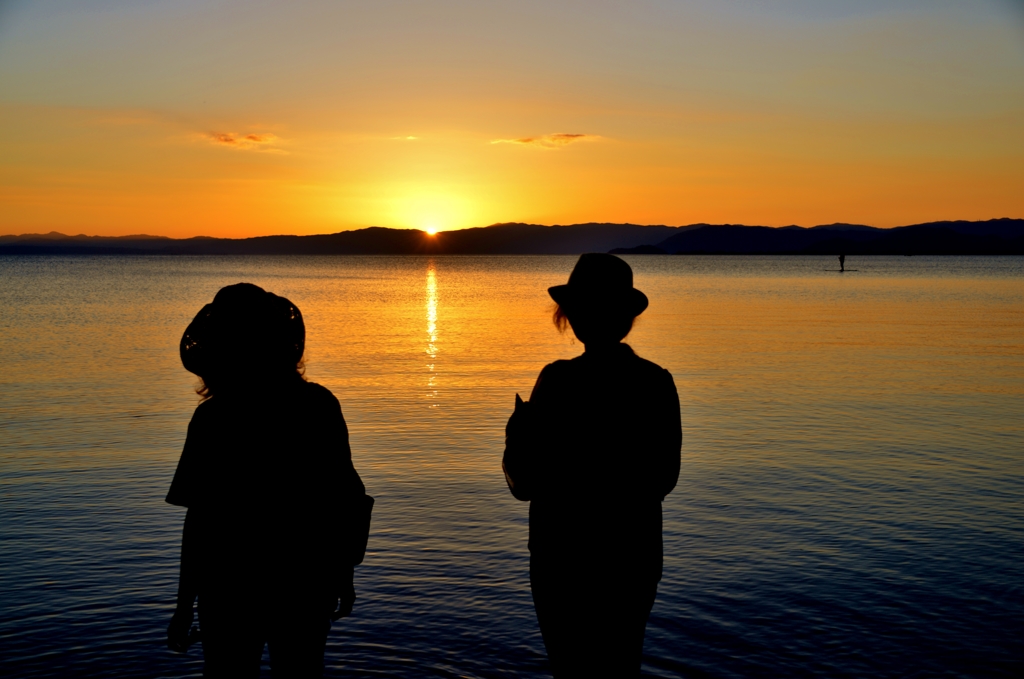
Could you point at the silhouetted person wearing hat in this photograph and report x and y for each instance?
(595, 450)
(277, 515)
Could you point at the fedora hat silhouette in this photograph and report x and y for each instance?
(600, 280)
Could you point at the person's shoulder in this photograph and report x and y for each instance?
(556, 369)
(646, 365)
(561, 364)
(317, 394)
(205, 411)
(206, 406)
(651, 369)
(553, 376)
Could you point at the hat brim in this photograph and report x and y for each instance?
(192, 347)
(631, 300)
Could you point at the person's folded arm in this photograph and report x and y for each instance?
(523, 438)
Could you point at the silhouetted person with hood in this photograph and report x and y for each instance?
(277, 515)
(595, 450)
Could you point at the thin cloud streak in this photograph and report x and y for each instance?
(550, 141)
(244, 142)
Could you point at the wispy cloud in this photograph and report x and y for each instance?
(405, 138)
(245, 142)
(550, 141)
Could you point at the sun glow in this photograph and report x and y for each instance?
(431, 209)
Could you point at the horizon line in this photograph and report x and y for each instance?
(469, 228)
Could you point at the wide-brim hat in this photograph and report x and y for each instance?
(600, 280)
(243, 319)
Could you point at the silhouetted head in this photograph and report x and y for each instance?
(599, 301)
(246, 338)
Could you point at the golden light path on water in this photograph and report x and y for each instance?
(432, 330)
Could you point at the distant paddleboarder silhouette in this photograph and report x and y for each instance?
(595, 450)
(277, 515)
(842, 263)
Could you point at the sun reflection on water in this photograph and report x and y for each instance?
(431, 330)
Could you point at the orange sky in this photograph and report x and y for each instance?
(232, 119)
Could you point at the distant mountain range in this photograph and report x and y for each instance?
(992, 237)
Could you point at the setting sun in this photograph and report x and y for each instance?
(431, 230)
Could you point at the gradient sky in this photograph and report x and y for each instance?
(182, 118)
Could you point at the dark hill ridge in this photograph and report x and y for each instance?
(993, 237)
(533, 239)
(505, 239)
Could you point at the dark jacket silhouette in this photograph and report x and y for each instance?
(276, 511)
(595, 450)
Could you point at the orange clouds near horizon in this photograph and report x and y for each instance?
(250, 141)
(549, 141)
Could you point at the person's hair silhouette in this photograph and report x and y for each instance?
(595, 451)
(277, 515)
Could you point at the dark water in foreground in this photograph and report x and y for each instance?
(853, 461)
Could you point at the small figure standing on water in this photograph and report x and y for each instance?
(595, 451)
(842, 263)
(277, 515)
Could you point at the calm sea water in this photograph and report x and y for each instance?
(850, 503)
